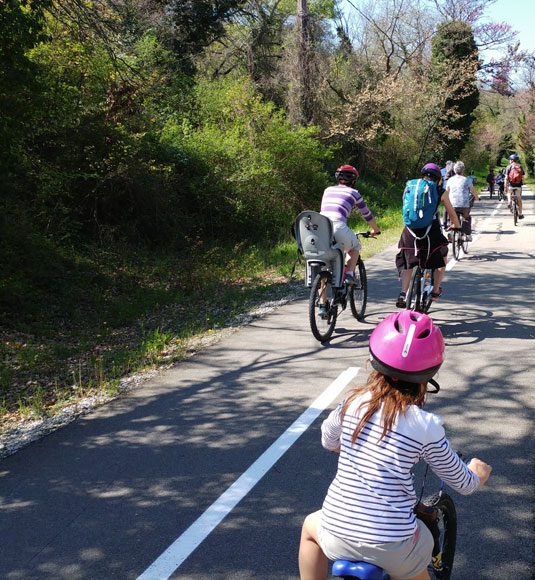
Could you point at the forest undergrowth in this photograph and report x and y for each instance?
(116, 315)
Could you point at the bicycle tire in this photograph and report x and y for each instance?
(464, 243)
(515, 212)
(444, 534)
(358, 292)
(414, 291)
(322, 328)
(456, 242)
(426, 298)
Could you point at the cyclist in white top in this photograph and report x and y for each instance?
(381, 431)
(459, 189)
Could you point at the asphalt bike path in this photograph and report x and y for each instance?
(208, 470)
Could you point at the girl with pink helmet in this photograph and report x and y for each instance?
(381, 431)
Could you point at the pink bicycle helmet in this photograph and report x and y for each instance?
(407, 346)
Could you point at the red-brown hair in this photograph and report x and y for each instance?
(395, 401)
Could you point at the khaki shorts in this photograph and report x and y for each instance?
(344, 235)
(399, 559)
(516, 190)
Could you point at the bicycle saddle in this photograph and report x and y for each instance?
(360, 570)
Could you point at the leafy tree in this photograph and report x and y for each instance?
(526, 140)
(454, 66)
(21, 27)
(196, 24)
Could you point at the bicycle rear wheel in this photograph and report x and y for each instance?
(444, 531)
(515, 212)
(358, 292)
(429, 276)
(457, 244)
(322, 292)
(464, 243)
(414, 292)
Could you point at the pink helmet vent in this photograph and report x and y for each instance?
(407, 346)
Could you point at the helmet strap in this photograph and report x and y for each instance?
(405, 387)
(434, 384)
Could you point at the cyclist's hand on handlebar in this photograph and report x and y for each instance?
(481, 469)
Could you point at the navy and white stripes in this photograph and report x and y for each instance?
(371, 497)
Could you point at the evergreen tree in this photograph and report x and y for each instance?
(21, 25)
(454, 66)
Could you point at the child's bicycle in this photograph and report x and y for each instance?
(419, 290)
(439, 515)
(324, 260)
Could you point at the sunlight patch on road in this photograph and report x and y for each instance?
(166, 564)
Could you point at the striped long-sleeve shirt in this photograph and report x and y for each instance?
(371, 497)
(339, 200)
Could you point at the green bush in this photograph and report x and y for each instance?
(254, 171)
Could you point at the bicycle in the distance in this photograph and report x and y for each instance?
(459, 240)
(514, 206)
(440, 516)
(324, 259)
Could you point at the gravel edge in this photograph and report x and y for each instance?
(26, 432)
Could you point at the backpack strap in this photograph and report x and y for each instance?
(426, 235)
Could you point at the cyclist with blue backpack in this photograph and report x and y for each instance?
(422, 242)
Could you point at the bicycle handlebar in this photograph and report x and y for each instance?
(367, 234)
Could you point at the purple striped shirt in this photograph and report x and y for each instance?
(339, 200)
(372, 495)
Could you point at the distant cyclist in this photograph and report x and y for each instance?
(491, 180)
(459, 189)
(381, 431)
(514, 179)
(500, 181)
(447, 172)
(426, 247)
(337, 203)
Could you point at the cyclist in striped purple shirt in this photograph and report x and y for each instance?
(381, 431)
(337, 203)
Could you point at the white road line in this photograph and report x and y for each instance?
(451, 263)
(183, 546)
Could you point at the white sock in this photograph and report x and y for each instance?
(350, 273)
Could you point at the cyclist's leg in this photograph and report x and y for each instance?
(345, 236)
(519, 198)
(312, 561)
(406, 279)
(438, 277)
(406, 276)
(352, 261)
(467, 221)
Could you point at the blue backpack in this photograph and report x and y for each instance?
(420, 202)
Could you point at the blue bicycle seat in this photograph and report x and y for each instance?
(360, 570)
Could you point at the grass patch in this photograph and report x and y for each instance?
(97, 317)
